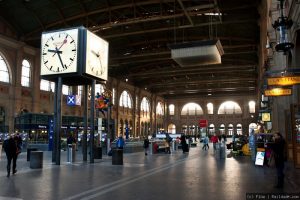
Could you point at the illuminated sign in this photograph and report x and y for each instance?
(284, 81)
(278, 92)
(266, 117)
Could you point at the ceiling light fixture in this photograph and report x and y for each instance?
(281, 26)
(197, 53)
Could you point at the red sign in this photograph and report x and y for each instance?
(203, 123)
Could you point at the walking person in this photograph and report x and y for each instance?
(10, 148)
(277, 147)
(146, 145)
(205, 143)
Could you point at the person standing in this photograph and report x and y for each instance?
(120, 142)
(184, 145)
(10, 148)
(277, 147)
(146, 145)
(215, 140)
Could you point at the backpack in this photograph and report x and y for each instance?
(120, 142)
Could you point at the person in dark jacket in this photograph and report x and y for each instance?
(10, 148)
(278, 150)
(184, 145)
(146, 145)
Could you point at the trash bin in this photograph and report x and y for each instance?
(71, 152)
(222, 150)
(97, 152)
(117, 156)
(29, 150)
(217, 151)
(36, 159)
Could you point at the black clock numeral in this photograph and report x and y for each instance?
(45, 62)
(72, 59)
(71, 41)
(73, 49)
(46, 45)
(44, 53)
(65, 66)
(52, 38)
(51, 67)
(58, 69)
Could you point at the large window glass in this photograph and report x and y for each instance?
(125, 100)
(191, 109)
(159, 109)
(229, 107)
(171, 109)
(251, 107)
(145, 106)
(99, 88)
(65, 90)
(210, 108)
(47, 85)
(25, 79)
(4, 75)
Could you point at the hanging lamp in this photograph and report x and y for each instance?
(281, 26)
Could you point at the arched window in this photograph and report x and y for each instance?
(125, 100)
(230, 129)
(159, 109)
(191, 109)
(25, 79)
(4, 75)
(222, 129)
(47, 85)
(229, 107)
(210, 109)
(251, 106)
(171, 109)
(211, 129)
(145, 106)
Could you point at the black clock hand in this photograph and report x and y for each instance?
(62, 64)
(93, 52)
(64, 42)
(54, 51)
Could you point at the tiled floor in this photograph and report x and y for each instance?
(196, 175)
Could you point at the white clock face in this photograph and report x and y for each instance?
(59, 52)
(96, 56)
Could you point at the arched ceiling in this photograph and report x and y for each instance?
(140, 31)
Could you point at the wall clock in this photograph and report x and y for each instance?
(59, 52)
(96, 56)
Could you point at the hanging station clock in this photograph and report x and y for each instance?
(59, 52)
(96, 56)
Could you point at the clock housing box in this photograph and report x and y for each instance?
(64, 54)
